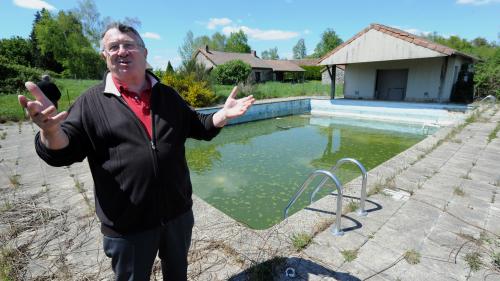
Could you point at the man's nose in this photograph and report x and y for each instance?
(122, 51)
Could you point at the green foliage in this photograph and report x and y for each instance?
(474, 261)
(17, 50)
(487, 69)
(299, 50)
(271, 54)
(14, 76)
(237, 43)
(196, 93)
(412, 257)
(329, 41)
(194, 68)
(313, 72)
(232, 72)
(301, 240)
(170, 68)
(349, 255)
(62, 36)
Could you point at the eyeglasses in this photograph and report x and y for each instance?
(127, 46)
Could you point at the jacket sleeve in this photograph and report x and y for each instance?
(78, 146)
(201, 126)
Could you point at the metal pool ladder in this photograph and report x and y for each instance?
(336, 230)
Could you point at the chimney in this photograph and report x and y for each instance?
(206, 49)
(254, 53)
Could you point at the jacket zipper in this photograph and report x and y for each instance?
(152, 142)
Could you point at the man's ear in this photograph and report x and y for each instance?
(145, 53)
(103, 56)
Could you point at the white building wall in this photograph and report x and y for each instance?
(203, 60)
(378, 46)
(422, 85)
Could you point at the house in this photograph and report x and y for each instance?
(385, 63)
(262, 70)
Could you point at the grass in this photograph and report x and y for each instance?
(70, 90)
(352, 206)
(14, 180)
(280, 90)
(494, 133)
(495, 260)
(301, 240)
(412, 257)
(459, 191)
(349, 255)
(473, 260)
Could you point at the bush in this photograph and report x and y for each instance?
(487, 76)
(196, 93)
(312, 72)
(232, 72)
(14, 76)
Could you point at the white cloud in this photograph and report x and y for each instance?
(257, 34)
(214, 22)
(307, 31)
(161, 62)
(477, 2)
(34, 4)
(151, 35)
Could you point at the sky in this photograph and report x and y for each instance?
(270, 23)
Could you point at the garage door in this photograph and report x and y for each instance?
(391, 84)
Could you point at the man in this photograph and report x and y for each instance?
(132, 130)
(49, 89)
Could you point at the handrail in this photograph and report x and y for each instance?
(361, 211)
(336, 230)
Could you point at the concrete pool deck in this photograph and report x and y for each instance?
(438, 202)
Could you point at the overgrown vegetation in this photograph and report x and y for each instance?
(473, 260)
(459, 191)
(412, 256)
(301, 240)
(232, 72)
(494, 133)
(349, 255)
(196, 93)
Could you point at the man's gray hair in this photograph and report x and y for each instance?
(123, 28)
(45, 77)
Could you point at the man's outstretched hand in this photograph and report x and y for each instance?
(44, 115)
(232, 108)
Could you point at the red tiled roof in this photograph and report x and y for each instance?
(305, 62)
(284, 65)
(217, 57)
(403, 35)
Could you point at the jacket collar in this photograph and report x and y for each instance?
(110, 88)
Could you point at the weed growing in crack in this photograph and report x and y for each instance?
(473, 260)
(412, 257)
(459, 191)
(14, 180)
(301, 240)
(349, 255)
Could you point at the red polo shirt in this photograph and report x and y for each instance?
(139, 103)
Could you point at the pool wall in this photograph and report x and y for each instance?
(269, 109)
(403, 112)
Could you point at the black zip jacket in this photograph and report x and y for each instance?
(137, 181)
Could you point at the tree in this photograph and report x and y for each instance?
(237, 42)
(299, 50)
(218, 42)
(187, 49)
(170, 68)
(329, 41)
(271, 54)
(17, 50)
(47, 60)
(92, 23)
(62, 35)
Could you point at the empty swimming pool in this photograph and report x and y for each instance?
(251, 170)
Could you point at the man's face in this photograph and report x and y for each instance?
(125, 57)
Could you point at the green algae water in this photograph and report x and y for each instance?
(250, 171)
